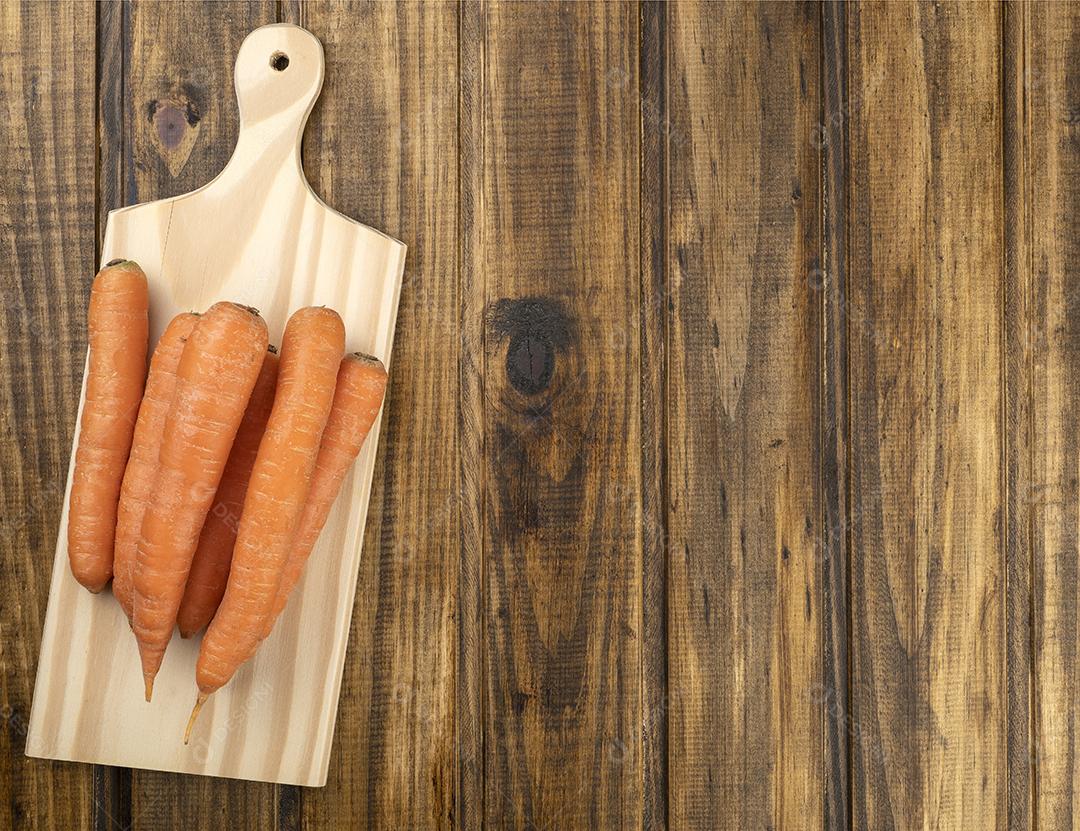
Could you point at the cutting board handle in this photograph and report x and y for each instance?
(278, 75)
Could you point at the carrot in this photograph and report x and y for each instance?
(114, 384)
(213, 383)
(361, 382)
(210, 566)
(143, 461)
(310, 354)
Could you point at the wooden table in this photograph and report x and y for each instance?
(730, 470)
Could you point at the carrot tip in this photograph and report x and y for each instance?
(149, 682)
(194, 715)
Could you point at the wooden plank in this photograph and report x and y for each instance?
(381, 147)
(831, 282)
(553, 210)
(47, 252)
(926, 363)
(1050, 194)
(176, 128)
(745, 514)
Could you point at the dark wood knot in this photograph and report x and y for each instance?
(172, 119)
(537, 328)
(174, 127)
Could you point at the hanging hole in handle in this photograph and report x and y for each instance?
(279, 61)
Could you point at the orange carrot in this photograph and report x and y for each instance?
(210, 566)
(143, 461)
(114, 385)
(213, 383)
(310, 354)
(361, 382)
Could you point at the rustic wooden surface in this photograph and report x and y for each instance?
(925, 323)
(730, 479)
(744, 507)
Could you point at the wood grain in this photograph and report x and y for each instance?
(745, 514)
(382, 148)
(554, 190)
(875, 207)
(1050, 36)
(47, 255)
(925, 339)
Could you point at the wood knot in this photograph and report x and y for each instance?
(174, 128)
(537, 329)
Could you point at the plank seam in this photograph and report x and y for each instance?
(835, 409)
(653, 193)
(1033, 687)
(1003, 407)
(846, 168)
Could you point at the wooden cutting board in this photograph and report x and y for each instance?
(256, 234)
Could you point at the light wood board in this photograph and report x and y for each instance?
(256, 234)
